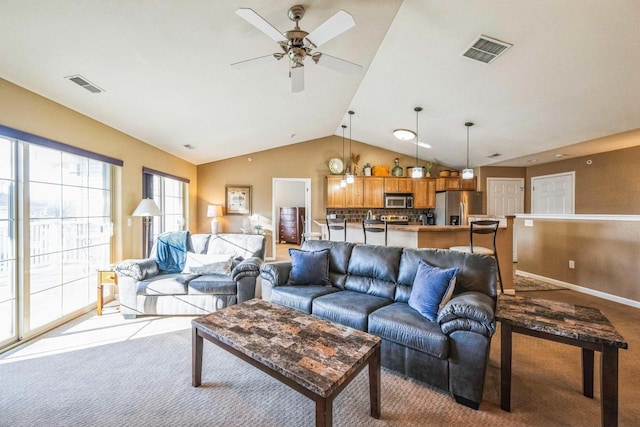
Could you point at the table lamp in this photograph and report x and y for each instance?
(214, 211)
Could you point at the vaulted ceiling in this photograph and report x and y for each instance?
(571, 75)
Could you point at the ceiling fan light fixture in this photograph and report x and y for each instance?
(404, 134)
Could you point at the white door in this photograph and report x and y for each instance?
(553, 194)
(505, 196)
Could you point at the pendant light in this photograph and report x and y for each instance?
(467, 173)
(350, 177)
(416, 172)
(343, 181)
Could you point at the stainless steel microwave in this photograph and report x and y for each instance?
(398, 200)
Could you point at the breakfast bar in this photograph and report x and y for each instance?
(436, 236)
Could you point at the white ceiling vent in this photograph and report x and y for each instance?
(81, 81)
(485, 49)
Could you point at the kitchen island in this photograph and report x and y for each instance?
(437, 236)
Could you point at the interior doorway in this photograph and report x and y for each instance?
(553, 194)
(288, 192)
(505, 196)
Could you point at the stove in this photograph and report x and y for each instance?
(395, 219)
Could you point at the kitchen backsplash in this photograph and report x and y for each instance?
(357, 215)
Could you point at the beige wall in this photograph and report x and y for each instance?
(23, 110)
(609, 185)
(303, 160)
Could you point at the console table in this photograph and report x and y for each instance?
(584, 327)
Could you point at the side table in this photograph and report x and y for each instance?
(106, 277)
(584, 327)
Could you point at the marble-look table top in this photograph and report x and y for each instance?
(557, 318)
(315, 353)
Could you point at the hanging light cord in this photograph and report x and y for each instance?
(351, 113)
(467, 147)
(345, 163)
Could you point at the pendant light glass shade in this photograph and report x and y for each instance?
(416, 172)
(468, 172)
(350, 177)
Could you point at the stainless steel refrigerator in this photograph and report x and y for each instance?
(453, 207)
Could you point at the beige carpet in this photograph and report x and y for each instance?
(112, 372)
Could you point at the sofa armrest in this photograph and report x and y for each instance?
(138, 269)
(469, 311)
(249, 267)
(276, 273)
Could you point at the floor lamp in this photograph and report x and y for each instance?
(146, 209)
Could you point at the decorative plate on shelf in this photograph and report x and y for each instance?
(336, 166)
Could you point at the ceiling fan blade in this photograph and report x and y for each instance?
(297, 79)
(260, 23)
(251, 62)
(332, 27)
(337, 63)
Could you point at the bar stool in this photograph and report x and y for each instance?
(374, 226)
(482, 227)
(308, 235)
(336, 224)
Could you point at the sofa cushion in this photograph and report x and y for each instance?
(299, 297)
(213, 284)
(374, 270)
(198, 243)
(309, 267)
(208, 264)
(347, 308)
(403, 325)
(432, 289)
(164, 284)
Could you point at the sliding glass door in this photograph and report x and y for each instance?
(55, 232)
(8, 291)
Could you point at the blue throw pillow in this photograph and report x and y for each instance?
(309, 267)
(432, 289)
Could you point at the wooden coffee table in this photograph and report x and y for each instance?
(313, 356)
(584, 327)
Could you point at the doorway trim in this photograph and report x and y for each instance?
(274, 214)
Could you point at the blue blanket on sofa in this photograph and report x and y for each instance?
(171, 251)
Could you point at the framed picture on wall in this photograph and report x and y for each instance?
(237, 199)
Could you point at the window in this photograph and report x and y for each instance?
(170, 194)
(8, 297)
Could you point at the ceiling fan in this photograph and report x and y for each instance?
(297, 44)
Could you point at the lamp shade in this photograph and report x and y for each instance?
(214, 211)
(147, 207)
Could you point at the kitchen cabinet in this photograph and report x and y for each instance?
(336, 195)
(354, 196)
(374, 189)
(398, 185)
(424, 193)
(290, 224)
(455, 183)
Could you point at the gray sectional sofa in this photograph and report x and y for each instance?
(369, 290)
(220, 270)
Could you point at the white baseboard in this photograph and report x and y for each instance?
(582, 289)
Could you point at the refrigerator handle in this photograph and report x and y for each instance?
(463, 214)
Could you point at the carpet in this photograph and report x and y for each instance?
(107, 371)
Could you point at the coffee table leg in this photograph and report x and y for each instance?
(374, 383)
(609, 386)
(324, 412)
(196, 358)
(505, 366)
(587, 372)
